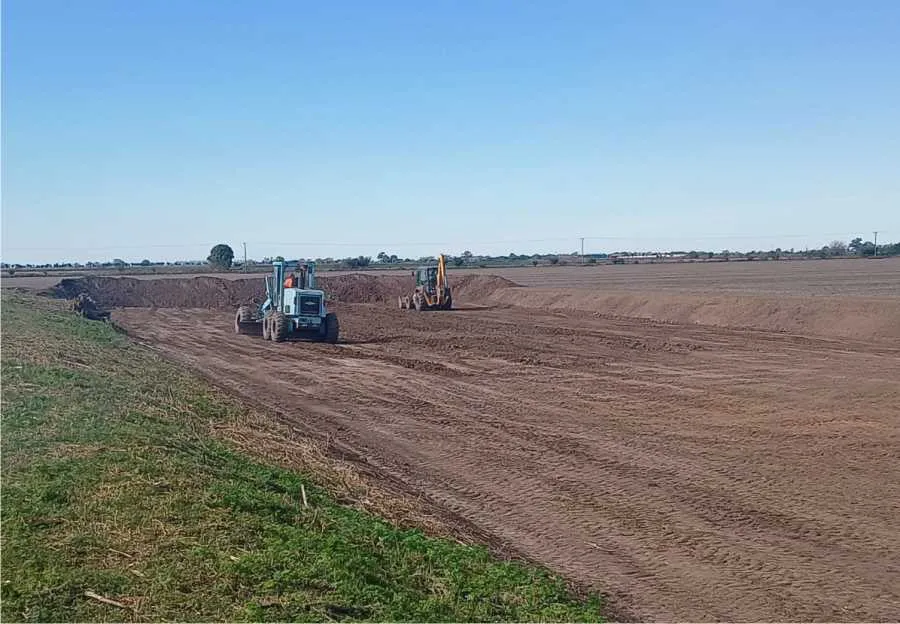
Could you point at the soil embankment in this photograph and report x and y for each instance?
(862, 318)
(214, 293)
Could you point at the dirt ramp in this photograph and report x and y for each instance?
(856, 318)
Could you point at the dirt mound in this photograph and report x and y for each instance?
(859, 318)
(365, 287)
(224, 294)
(128, 292)
(477, 288)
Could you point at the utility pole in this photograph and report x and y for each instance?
(582, 250)
(876, 243)
(244, 266)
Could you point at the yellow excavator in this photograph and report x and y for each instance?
(432, 289)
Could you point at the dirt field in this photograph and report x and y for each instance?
(869, 278)
(694, 472)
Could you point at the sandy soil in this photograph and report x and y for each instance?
(693, 472)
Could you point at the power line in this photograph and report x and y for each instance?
(509, 241)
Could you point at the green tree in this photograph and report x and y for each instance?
(867, 248)
(221, 256)
(855, 245)
(838, 248)
(278, 259)
(145, 262)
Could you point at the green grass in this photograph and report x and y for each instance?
(113, 483)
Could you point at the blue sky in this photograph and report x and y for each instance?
(156, 129)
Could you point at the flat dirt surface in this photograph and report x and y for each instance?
(693, 472)
(859, 277)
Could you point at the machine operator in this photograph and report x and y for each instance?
(296, 279)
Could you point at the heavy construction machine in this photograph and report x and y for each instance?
(84, 306)
(432, 289)
(294, 308)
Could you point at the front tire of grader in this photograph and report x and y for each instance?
(280, 327)
(244, 314)
(332, 328)
(419, 302)
(267, 328)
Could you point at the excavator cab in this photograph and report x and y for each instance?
(427, 277)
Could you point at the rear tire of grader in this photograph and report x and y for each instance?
(332, 328)
(280, 327)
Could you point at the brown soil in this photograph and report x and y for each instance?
(865, 318)
(840, 278)
(695, 472)
(225, 294)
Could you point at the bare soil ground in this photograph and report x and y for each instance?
(868, 278)
(694, 472)
(857, 277)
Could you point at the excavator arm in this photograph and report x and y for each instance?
(441, 275)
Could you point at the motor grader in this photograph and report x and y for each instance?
(432, 289)
(294, 308)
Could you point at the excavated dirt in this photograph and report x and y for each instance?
(864, 318)
(693, 472)
(226, 294)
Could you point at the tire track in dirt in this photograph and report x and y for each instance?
(694, 473)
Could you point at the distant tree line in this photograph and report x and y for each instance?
(221, 257)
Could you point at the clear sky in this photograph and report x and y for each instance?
(154, 129)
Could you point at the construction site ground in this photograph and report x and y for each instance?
(727, 456)
(691, 471)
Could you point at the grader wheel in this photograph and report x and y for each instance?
(280, 327)
(332, 328)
